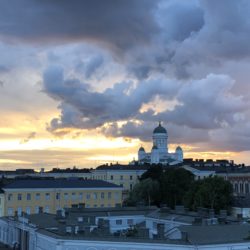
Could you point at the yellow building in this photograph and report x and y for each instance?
(52, 195)
(125, 176)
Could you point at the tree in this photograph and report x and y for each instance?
(146, 191)
(175, 183)
(212, 192)
(154, 172)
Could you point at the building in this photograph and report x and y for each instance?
(136, 228)
(159, 152)
(126, 176)
(51, 195)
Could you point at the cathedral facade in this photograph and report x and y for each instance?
(159, 152)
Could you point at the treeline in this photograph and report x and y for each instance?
(177, 186)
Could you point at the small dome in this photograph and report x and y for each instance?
(178, 148)
(142, 149)
(154, 147)
(160, 130)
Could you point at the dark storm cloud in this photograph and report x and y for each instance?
(202, 106)
(118, 23)
(84, 108)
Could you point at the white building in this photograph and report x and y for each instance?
(95, 230)
(159, 152)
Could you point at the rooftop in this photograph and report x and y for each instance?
(59, 183)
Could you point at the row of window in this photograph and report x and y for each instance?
(128, 221)
(239, 188)
(121, 177)
(66, 196)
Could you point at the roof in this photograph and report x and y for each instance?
(160, 130)
(123, 167)
(154, 147)
(141, 149)
(216, 234)
(59, 183)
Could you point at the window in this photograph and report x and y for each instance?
(246, 188)
(88, 196)
(19, 211)
(57, 196)
(37, 209)
(131, 177)
(241, 187)
(94, 196)
(236, 187)
(111, 177)
(10, 197)
(109, 195)
(118, 222)
(80, 196)
(130, 221)
(28, 210)
(28, 197)
(46, 209)
(117, 196)
(66, 196)
(73, 196)
(121, 177)
(10, 211)
(102, 195)
(47, 196)
(38, 196)
(19, 197)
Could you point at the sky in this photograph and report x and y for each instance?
(84, 82)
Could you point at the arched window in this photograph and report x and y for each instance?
(236, 190)
(246, 188)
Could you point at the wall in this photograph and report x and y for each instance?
(91, 197)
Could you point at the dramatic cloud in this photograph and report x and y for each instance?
(122, 66)
(84, 108)
(119, 24)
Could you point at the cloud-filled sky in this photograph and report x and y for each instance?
(85, 82)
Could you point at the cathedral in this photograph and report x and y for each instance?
(159, 152)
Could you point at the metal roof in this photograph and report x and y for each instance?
(59, 183)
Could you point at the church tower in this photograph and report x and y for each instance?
(160, 139)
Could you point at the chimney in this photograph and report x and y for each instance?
(184, 236)
(160, 231)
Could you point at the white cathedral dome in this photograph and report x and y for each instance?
(160, 130)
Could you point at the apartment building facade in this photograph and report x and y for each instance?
(51, 195)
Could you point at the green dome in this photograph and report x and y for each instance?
(141, 149)
(160, 130)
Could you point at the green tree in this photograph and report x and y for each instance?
(146, 191)
(154, 172)
(175, 183)
(213, 192)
